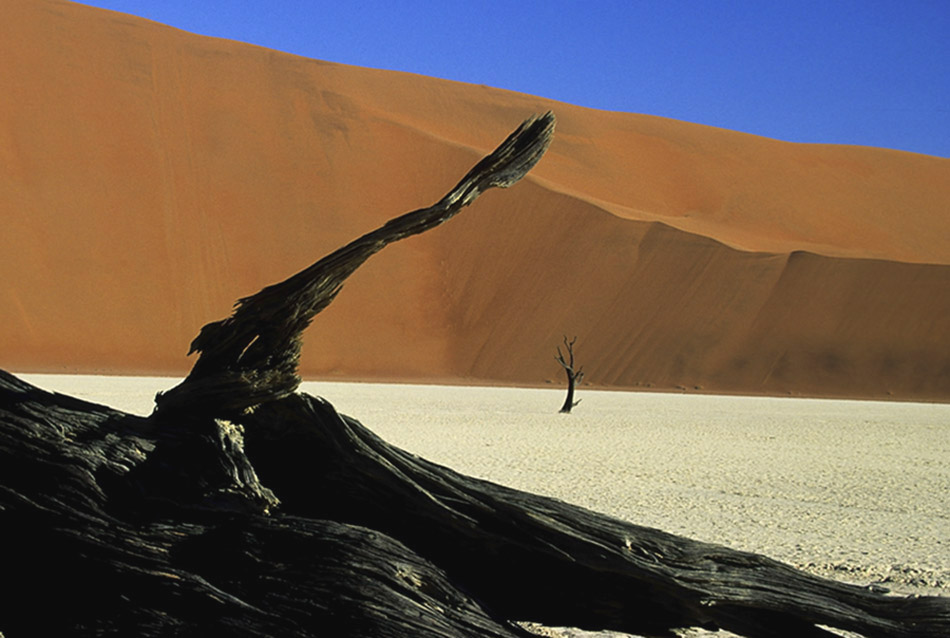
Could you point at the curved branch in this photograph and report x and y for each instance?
(252, 356)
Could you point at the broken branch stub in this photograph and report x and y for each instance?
(252, 356)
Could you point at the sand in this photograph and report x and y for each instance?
(150, 177)
(853, 490)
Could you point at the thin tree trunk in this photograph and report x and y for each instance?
(569, 399)
(573, 376)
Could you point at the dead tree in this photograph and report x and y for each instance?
(242, 508)
(573, 376)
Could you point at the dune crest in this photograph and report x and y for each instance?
(150, 177)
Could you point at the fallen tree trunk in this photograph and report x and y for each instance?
(242, 508)
(114, 524)
(536, 558)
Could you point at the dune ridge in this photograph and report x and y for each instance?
(151, 177)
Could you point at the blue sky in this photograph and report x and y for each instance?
(867, 72)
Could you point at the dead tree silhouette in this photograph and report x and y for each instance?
(574, 377)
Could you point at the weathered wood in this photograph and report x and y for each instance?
(252, 356)
(114, 524)
(534, 558)
(155, 526)
(239, 508)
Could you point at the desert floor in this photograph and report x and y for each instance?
(853, 490)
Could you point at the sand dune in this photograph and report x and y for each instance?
(150, 177)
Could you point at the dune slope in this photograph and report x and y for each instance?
(150, 177)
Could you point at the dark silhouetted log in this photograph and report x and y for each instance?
(239, 508)
(114, 524)
(535, 558)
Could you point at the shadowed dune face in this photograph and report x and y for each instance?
(151, 177)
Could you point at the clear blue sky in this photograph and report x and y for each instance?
(868, 72)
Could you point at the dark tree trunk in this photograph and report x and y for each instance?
(573, 376)
(240, 508)
(114, 524)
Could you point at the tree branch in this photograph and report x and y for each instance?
(252, 356)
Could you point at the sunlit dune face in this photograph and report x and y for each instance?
(152, 177)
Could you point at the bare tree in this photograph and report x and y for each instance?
(573, 376)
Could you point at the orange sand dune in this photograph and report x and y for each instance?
(150, 177)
